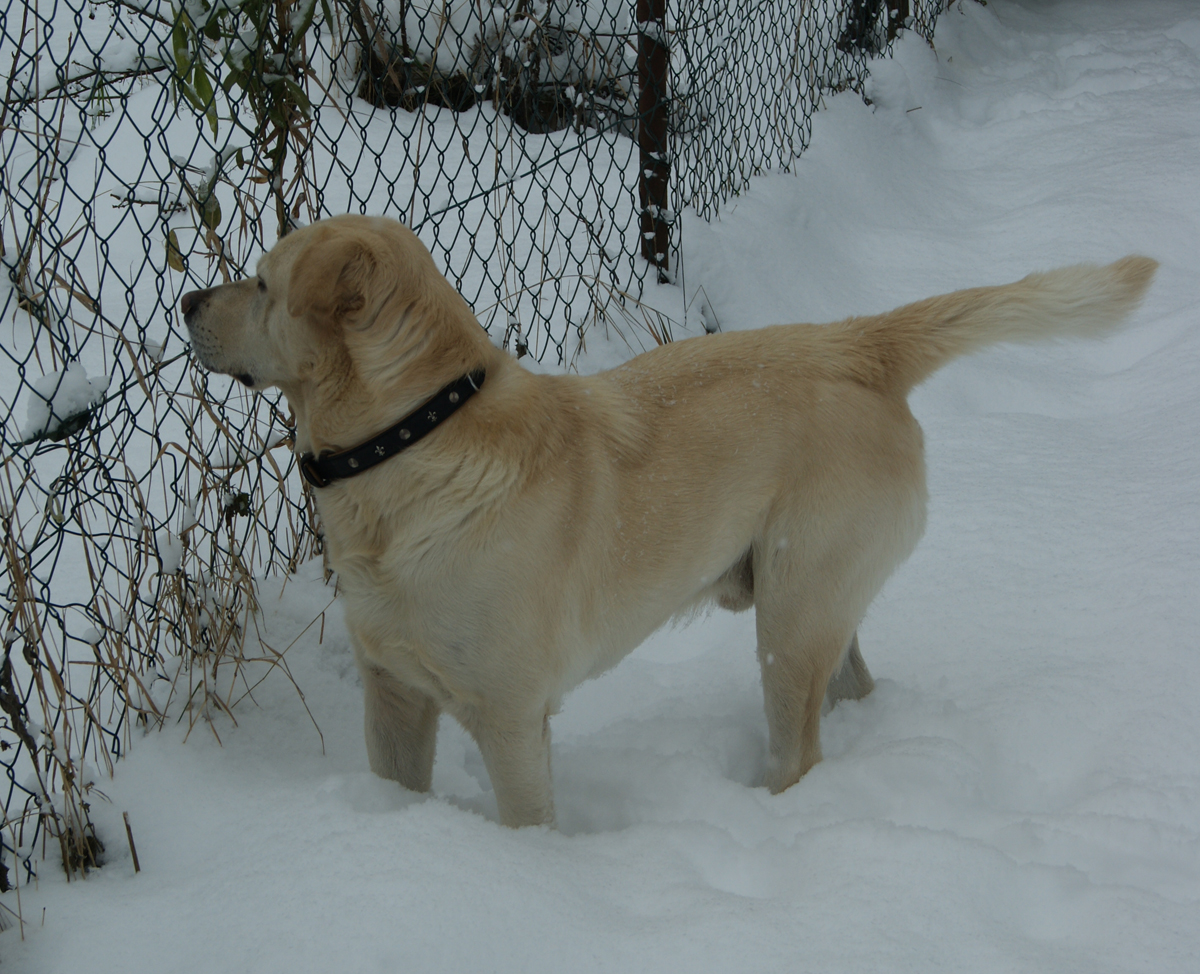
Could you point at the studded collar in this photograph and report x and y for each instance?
(321, 471)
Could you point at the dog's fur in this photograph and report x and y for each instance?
(554, 522)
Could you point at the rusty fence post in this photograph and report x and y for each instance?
(654, 162)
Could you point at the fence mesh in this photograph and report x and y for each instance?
(148, 147)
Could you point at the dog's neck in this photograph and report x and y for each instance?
(344, 410)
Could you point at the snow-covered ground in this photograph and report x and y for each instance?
(1022, 790)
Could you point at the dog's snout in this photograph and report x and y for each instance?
(192, 300)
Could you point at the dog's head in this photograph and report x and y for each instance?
(347, 305)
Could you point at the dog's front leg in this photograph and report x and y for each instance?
(401, 728)
(516, 751)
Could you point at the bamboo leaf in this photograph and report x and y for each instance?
(201, 83)
(306, 20)
(190, 94)
(298, 96)
(183, 50)
(211, 214)
(205, 91)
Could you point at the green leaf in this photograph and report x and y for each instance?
(202, 84)
(174, 255)
(190, 94)
(298, 96)
(205, 92)
(182, 47)
(211, 214)
(305, 22)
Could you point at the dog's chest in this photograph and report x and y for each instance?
(414, 626)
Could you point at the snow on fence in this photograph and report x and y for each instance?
(542, 149)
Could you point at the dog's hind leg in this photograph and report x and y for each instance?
(797, 662)
(852, 681)
(807, 611)
(401, 728)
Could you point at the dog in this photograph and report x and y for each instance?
(501, 536)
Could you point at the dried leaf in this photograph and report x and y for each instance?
(174, 255)
(80, 296)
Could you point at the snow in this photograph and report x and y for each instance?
(1022, 789)
(170, 551)
(59, 397)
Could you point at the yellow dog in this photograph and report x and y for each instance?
(502, 536)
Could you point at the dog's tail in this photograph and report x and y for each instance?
(902, 348)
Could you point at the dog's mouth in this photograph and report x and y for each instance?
(208, 363)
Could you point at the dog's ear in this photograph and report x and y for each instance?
(331, 277)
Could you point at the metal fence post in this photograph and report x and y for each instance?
(897, 16)
(654, 163)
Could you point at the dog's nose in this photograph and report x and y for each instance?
(190, 301)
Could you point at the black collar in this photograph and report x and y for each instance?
(321, 471)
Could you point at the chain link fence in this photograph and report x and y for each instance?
(541, 150)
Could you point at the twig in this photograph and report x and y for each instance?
(137, 866)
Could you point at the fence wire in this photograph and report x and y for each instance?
(149, 147)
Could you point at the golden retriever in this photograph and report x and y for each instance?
(553, 522)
